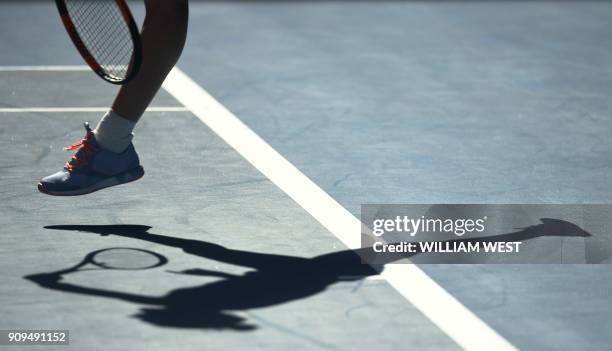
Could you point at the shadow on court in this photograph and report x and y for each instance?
(276, 279)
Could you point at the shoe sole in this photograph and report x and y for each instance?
(122, 178)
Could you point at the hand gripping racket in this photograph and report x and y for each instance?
(106, 35)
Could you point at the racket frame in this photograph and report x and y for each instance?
(134, 65)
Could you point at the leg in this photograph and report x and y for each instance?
(163, 37)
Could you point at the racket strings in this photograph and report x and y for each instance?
(126, 259)
(104, 32)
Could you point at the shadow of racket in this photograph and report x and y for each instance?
(114, 258)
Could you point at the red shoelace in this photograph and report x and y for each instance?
(77, 162)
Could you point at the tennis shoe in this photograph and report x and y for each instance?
(92, 168)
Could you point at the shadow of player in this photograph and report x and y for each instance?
(276, 279)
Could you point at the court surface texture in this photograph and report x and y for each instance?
(280, 119)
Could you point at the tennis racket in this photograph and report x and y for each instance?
(106, 35)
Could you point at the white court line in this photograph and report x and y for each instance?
(448, 314)
(44, 68)
(84, 109)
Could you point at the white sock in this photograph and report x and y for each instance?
(114, 132)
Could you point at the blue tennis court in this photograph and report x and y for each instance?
(279, 121)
